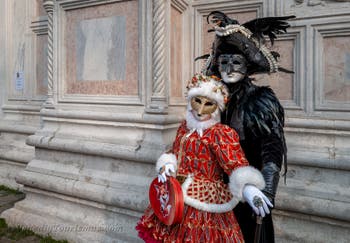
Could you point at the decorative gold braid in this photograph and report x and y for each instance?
(179, 156)
(267, 53)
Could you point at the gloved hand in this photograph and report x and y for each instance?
(165, 171)
(257, 200)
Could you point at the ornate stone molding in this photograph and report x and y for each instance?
(40, 27)
(309, 9)
(158, 102)
(142, 120)
(317, 2)
(49, 6)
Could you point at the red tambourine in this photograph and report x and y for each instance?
(167, 200)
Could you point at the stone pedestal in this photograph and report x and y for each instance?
(313, 204)
(89, 183)
(107, 118)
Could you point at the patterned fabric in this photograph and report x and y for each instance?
(205, 158)
(196, 227)
(209, 192)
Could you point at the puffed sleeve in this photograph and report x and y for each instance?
(181, 131)
(170, 157)
(225, 145)
(231, 158)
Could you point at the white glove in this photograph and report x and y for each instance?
(254, 197)
(165, 171)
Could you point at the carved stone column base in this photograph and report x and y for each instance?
(158, 105)
(49, 104)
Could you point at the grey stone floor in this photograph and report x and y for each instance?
(7, 199)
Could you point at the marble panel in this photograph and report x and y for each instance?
(101, 46)
(282, 83)
(107, 35)
(336, 66)
(176, 51)
(41, 65)
(40, 8)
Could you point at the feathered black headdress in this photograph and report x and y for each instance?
(247, 39)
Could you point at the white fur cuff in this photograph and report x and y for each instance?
(243, 176)
(166, 159)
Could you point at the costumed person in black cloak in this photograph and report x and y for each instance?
(253, 111)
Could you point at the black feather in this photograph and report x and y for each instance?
(220, 19)
(261, 110)
(270, 26)
(285, 70)
(202, 57)
(263, 116)
(276, 55)
(272, 37)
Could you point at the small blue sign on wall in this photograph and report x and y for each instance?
(19, 80)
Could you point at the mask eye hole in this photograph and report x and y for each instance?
(223, 62)
(197, 100)
(209, 103)
(236, 63)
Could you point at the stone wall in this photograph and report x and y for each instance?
(103, 93)
(22, 86)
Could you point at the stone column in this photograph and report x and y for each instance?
(49, 7)
(158, 102)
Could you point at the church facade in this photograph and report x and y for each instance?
(92, 92)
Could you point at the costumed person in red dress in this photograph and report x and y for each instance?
(254, 111)
(203, 150)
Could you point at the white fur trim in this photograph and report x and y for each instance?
(207, 89)
(208, 207)
(243, 176)
(166, 159)
(194, 125)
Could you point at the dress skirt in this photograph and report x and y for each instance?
(196, 226)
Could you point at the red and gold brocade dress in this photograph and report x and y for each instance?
(208, 215)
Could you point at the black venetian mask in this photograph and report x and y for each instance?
(232, 63)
